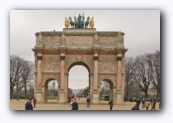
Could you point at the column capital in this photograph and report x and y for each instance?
(62, 57)
(119, 58)
(39, 57)
(95, 58)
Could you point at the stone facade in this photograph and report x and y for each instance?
(102, 53)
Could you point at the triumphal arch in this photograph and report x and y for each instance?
(101, 52)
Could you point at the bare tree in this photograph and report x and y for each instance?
(153, 62)
(16, 68)
(129, 76)
(20, 74)
(70, 92)
(105, 88)
(142, 74)
(27, 74)
(53, 88)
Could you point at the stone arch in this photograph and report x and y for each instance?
(46, 88)
(112, 87)
(84, 65)
(86, 62)
(79, 63)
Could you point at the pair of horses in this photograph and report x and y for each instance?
(80, 24)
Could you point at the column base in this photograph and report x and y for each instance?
(61, 96)
(39, 95)
(119, 97)
(95, 97)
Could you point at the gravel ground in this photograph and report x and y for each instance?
(52, 105)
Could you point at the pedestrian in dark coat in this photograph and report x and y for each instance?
(135, 107)
(111, 104)
(88, 101)
(138, 102)
(154, 104)
(74, 105)
(34, 102)
(28, 105)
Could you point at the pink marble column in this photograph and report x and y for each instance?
(62, 57)
(39, 75)
(95, 71)
(119, 76)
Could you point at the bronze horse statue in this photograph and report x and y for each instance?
(75, 22)
(87, 22)
(83, 22)
(71, 22)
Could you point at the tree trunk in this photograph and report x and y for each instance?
(158, 94)
(25, 90)
(11, 93)
(146, 95)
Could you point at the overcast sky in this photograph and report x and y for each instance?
(141, 28)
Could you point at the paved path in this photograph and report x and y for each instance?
(20, 105)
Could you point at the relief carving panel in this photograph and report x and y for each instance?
(51, 64)
(79, 40)
(107, 65)
(48, 42)
(107, 41)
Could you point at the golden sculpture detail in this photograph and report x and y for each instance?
(66, 23)
(92, 22)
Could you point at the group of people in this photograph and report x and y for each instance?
(28, 105)
(145, 104)
(73, 103)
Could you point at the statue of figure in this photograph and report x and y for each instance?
(79, 20)
(119, 37)
(71, 22)
(83, 22)
(92, 22)
(87, 22)
(96, 40)
(66, 22)
(62, 39)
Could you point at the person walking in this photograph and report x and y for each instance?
(147, 105)
(138, 102)
(154, 105)
(34, 102)
(74, 105)
(30, 100)
(88, 101)
(136, 107)
(159, 105)
(143, 103)
(28, 105)
(111, 104)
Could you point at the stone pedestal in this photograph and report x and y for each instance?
(95, 98)
(119, 97)
(39, 95)
(61, 96)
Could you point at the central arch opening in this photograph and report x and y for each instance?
(78, 81)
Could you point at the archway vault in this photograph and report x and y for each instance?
(79, 63)
(86, 66)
